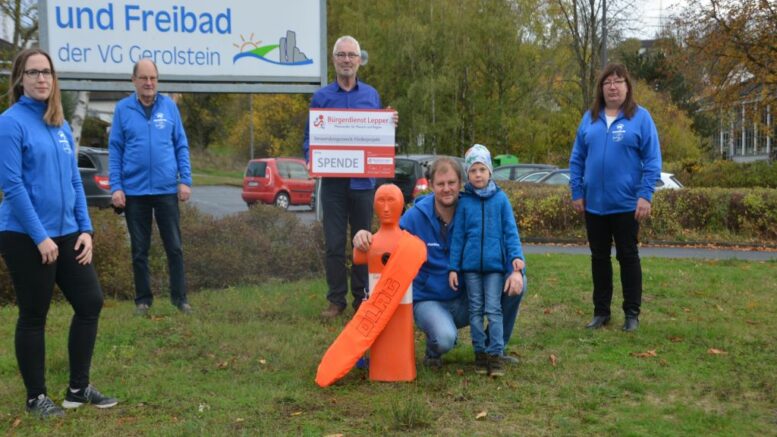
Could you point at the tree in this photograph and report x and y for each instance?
(582, 23)
(206, 117)
(732, 46)
(279, 124)
(24, 17)
(660, 68)
(678, 140)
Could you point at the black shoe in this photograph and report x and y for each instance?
(631, 324)
(332, 311)
(495, 367)
(510, 360)
(88, 395)
(481, 363)
(141, 309)
(44, 407)
(598, 321)
(433, 363)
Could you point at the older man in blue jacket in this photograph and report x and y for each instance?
(149, 173)
(438, 310)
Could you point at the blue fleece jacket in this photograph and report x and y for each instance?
(148, 156)
(431, 282)
(484, 238)
(362, 96)
(42, 189)
(612, 168)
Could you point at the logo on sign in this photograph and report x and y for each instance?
(319, 122)
(288, 52)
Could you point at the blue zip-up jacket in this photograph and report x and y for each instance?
(42, 189)
(612, 168)
(484, 237)
(362, 96)
(148, 156)
(431, 282)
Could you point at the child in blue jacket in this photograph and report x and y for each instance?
(483, 241)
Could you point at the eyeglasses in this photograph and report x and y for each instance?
(33, 74)
(343, 55)
(146, 78)
(616, 82)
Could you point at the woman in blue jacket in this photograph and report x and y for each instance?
(45, 232)
(615, 163)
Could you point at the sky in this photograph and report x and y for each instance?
(649, 16)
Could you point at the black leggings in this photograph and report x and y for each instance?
(34, 285)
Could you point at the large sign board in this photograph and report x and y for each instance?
(226, 45)
(352, 143)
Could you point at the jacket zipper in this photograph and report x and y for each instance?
(61, 185)
(482, 230)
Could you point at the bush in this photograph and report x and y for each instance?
(745, 216)
(724, 174)
(262, 244)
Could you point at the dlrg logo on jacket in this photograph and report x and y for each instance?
(64, 142)
(618, 133)
(159, 120)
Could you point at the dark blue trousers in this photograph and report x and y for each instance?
(139, 212)
(343, 207)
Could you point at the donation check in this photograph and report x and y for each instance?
(352, 143)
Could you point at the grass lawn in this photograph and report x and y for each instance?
(202, 177)
(703, 362)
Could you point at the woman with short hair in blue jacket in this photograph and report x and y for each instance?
(45, 232)
(614, 167)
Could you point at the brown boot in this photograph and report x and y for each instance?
(332, 311)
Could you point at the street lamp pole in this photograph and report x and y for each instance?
(251, 124)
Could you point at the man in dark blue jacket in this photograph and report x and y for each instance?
(438, 310)
(345, 201)
(149, 173)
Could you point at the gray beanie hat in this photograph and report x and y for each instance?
(478, 153)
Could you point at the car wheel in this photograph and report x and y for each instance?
(282, 200)
(250, 204)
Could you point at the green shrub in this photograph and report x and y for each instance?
(724, 174)
(262, 244)
(746, 216)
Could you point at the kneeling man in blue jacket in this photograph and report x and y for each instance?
(438, 310)
(149, 173)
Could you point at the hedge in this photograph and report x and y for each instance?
(746, 216)
(259, 245)
(724, 174)
(266, 243)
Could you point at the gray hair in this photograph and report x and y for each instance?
(346, 38)
(135, 67)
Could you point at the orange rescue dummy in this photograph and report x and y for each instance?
(405, 254)
(392, 356)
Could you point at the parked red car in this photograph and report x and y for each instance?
(279, 181)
